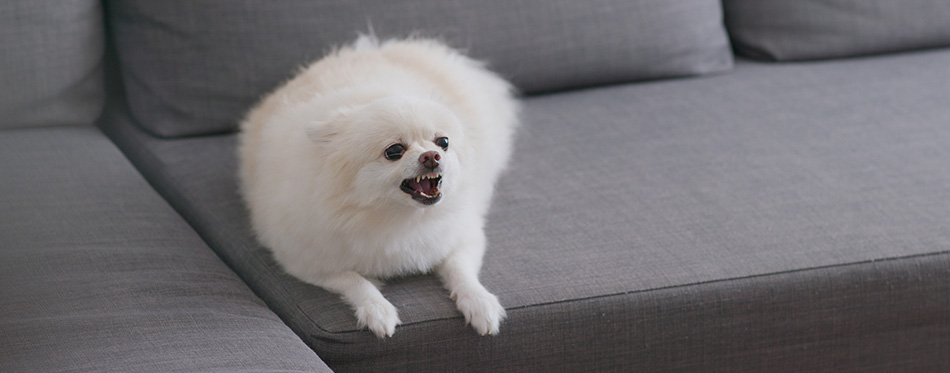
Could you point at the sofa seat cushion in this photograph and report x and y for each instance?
(195, 67)
(99, 273)
(794, 211)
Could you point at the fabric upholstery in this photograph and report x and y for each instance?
(100, 274)
(781, 216)
(786, 30)
(51, 62)
(196, 67)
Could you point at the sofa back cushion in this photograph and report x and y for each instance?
(51, 55)
(194, 68)
(785, 30)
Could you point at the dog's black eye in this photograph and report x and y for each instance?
(394, 152)
(443, 142)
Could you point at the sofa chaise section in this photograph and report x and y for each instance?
(98, 273)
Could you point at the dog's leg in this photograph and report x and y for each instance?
(372, 309)
(459, 273)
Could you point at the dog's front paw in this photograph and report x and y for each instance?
(481, 309)
(380, 317)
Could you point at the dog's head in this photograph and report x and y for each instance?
(402, 150)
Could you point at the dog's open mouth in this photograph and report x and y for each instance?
(424, 188)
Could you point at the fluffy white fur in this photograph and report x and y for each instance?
(328, 203)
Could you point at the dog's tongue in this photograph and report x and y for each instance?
(425, 186)
(415, 186)
(430, 187)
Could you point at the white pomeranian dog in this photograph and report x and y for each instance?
(379, 160)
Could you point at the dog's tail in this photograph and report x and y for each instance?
(367, 41)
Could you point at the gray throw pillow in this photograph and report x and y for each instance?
(50, 62)
(784, 30)
(194, 68)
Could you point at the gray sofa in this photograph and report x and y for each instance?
(752, 185)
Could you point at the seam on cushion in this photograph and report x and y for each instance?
(283, 290)
(840, 265)
(171, 192)
(763, 275)
(176, 188)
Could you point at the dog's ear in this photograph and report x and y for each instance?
(324, 131)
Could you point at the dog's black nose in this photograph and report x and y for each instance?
(430, 159)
